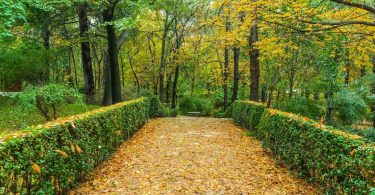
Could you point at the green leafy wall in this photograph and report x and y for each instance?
(52, 158)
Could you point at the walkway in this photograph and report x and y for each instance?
(188, 155)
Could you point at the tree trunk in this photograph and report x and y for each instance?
(163, 57)
(226, 67)
(254, 63)
(192, 86)
(107, 83)
(86, 54)
(167, 92)
(373, 91)
(236, 76)
(46, 34)
(329, 112)
(174, 88)
(113, 58)
(269, 98)
(69, 69)
(264, 94)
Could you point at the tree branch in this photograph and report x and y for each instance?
(357, 5)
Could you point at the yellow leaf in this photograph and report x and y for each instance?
(79, 149)
(36, 168)
(62, 153)
(72, 148)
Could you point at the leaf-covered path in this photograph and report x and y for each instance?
(188, 155)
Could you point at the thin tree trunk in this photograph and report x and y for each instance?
(264, 94)
(329, 112)
(163, 57)
(254, 63)
(74, 67)
(46, 34)
(69, 68)
(225, 77)
(167, 92)
(174, 88)
(269, 98)
(373, 91)
(122, 72)
(192, 86)
(86, 53)
(226, 67)
(236, 78)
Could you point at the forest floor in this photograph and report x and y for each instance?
(187, 155)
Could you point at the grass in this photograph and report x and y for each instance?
(12, 119)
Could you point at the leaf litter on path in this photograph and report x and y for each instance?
(189, 155)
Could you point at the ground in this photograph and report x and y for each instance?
(188, 155)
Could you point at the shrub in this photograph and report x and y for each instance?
(247, 113)
(49, 99)
(195, 104)
(156, 107)
(52, 158)
(340, 162)
(301, 105)
(350, 107)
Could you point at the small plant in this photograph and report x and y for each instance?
(49, 99)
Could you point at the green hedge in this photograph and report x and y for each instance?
(247, 113)
(54, 157)
(339, 162)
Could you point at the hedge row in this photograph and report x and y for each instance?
(52, 158)
(337, 161)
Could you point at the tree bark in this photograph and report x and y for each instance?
(236, 76)
(254, 63)
(88, 73)
(329, 112)
(167, 92)
(115, 80)
(373, 91)
(264, 94)
(226, 67)
(163, 57)
(174, 88)
(46, 34)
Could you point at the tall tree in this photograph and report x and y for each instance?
(254, 62)
(112, 75)
(85, 53)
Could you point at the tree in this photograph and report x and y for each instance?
(85, 52)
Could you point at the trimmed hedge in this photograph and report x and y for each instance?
(247, 113)
(340, 162)
(52, 158)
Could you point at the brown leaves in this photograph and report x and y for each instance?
(75, 148)
(36, 168)
(188, 155)
(62, 153)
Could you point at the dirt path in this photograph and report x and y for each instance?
(187, 155)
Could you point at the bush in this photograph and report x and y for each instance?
(156, 107)
(247, 113)
(52, 158)
(350, 107)
(340, 162)
(302, 106)
(195, 104)
(49, 99)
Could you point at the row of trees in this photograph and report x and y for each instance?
(261, 50)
